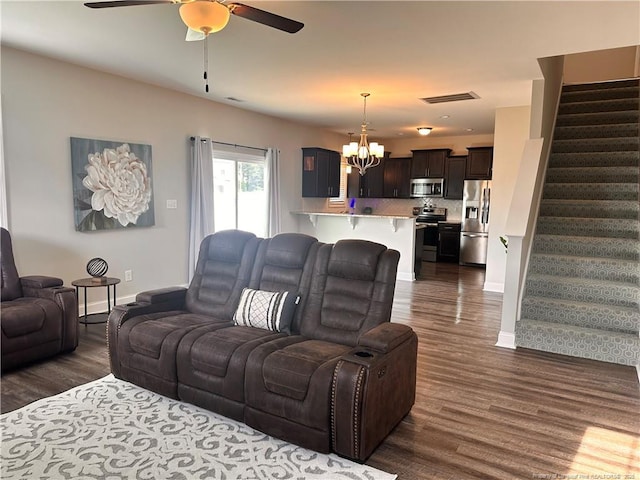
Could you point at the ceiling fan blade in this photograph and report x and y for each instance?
(194, 35)
(124, 3)
(265, 18)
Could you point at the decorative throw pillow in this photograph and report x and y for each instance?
(268, 310)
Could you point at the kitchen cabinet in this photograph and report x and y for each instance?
(397, 174)
(454, 174)
(479, 163)
(448, 242)
(429, 163)
(369, 185)
(320, 172)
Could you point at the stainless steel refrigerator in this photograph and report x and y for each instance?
(474, 235)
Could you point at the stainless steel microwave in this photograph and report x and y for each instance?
(427, 187)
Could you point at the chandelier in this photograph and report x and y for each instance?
(363, 155)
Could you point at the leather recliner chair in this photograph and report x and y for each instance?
(39, 316)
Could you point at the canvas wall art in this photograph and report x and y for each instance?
(112, 185)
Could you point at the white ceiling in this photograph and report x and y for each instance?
(398, 51)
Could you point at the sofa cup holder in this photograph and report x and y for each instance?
(363, 354)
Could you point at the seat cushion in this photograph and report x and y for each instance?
(212, 358)
(149, 342)
(290, 378)
(26, 315)
(28, 323)
(287, 372)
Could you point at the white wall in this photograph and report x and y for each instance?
(511, 133)
(45, 102)
(601, 65)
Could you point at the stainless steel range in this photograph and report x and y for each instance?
(430, 216)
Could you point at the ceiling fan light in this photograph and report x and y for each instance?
(204, 16)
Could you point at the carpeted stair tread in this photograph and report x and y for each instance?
(591, 191)
(614, 130)
(583, 290)
(613, 84)
(590, 227)
(594, 268)
(617, 248)
(582, 314)
(598, 118)
(599, 106)
(593, 175)
(572, 96)
(615, 144)
(605, 346)
(594, 159)
(555, 207)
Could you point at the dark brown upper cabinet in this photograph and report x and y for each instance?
(397, 176)
(454, 173)
(369, 185)
(429, 163)
(320, 172)
(479, 163)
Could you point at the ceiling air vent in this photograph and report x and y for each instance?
(456, 97)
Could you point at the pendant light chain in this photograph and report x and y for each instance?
(206, 63)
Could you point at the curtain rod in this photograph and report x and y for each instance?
(235, 145)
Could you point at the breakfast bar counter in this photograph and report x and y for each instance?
(394, 231)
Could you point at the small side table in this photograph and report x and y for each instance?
(96, 282)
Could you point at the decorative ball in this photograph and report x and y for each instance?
(97, 267)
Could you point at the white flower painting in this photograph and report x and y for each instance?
(112, 184)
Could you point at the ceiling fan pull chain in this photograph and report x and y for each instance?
(206, 64)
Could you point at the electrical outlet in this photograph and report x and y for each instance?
(128, 275)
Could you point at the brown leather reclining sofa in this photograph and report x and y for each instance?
(332, 375)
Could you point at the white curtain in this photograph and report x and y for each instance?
(4, 217)
(201, 223)
(272, 183)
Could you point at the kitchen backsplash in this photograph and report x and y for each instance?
(387, 206)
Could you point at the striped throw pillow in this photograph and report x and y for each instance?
(268, 310)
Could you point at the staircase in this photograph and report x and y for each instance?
(582, 291)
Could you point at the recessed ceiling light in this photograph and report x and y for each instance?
(469, 129)
(424, 130)
(444, 116)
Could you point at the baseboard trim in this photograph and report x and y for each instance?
(102, 306)
(506, 340)
(493, 287)
(406, 277)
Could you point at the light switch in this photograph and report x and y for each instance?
(172, 204)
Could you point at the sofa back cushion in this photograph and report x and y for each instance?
(351, 291)
(285, 263)
(224, 268)
(11, 288)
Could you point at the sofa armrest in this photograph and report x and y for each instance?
(40, 281)
(385, 337)
(174, 297)
(372, 390)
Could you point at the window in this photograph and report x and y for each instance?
(341, 200)
(239, 192)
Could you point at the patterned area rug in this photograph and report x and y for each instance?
(111, 429)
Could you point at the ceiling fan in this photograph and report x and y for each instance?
(209, 16)
(203, 17)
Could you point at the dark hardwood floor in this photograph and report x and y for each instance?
(481, 412)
